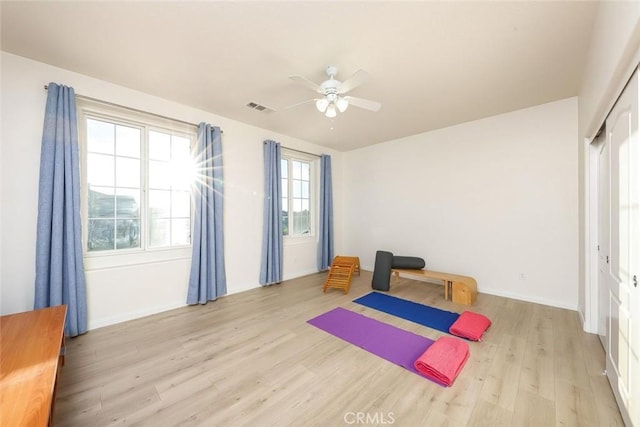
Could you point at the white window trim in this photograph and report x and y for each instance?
(89, 108)
(314, 192)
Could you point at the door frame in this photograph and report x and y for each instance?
(590, 321)
(592, 295)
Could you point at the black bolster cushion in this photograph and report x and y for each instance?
(408, 262)
(382, 271)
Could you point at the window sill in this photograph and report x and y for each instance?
(103, 261)
(299, 240)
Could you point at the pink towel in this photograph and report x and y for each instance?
(470, 326)
(443, 360)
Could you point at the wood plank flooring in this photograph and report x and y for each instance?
(250, 359)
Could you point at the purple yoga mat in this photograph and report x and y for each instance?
(386, 341)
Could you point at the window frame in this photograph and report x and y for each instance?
(290, 155)
(120, 115)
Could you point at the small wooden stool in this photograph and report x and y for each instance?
(342, 268)
(347, 260)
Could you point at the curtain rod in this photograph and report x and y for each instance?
(300, 151)
(46, 87)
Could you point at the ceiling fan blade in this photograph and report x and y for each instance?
(364, 103)
(300, 103)
(306, 82)
(354, 81)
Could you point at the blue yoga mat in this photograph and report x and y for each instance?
(417, 313)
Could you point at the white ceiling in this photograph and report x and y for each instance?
(431, 64)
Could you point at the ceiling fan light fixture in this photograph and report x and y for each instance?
(333, 98)
(342, 104)
(322, 104)
(331, 111)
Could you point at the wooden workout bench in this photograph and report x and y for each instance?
(461, 289)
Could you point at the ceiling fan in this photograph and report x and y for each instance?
(332, 91)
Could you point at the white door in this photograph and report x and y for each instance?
(622, 269)
(603, 238)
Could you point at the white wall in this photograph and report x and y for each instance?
(119, 294)
(614, 53)
(494, 199)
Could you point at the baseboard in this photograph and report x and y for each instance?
(123, 317)
(528, 298)
(588, 327)
(299, 274)
(242, 289)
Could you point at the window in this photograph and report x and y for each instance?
(113, 185)
(296, 196)
(170, 175)
(137, 176)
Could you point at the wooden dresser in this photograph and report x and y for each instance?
(31, 354)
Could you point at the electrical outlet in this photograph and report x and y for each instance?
(522, 276)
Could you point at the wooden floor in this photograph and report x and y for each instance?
(250, 359)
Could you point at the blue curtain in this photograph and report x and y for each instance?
(325, 241)
(271, 266)
(208, 279)
(59, 264)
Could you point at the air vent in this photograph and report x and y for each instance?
(258, 107)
